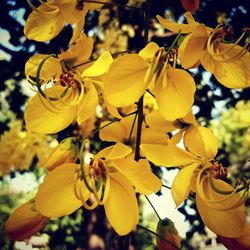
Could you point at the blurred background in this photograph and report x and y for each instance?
(23, 154)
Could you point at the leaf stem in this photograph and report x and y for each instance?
(153, 207)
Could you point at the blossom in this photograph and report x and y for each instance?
(228, 61)
(24, 222)
(72, 94)
(129, 76)
(218, 203)
(18, 148)
(107, 180)
(46, 21)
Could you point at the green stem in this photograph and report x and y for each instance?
(165, 186)
(140, 103)
(153, 207)
(174, 42)
(159, 236)
(132, 128)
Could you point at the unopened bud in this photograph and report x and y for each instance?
(190, 5)
(67, 151)
(170, 238)
(24, 222)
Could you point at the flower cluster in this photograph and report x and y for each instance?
(143, 131)
(19, 147)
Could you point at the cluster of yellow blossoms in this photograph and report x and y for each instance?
(69, 87)
(19, 147)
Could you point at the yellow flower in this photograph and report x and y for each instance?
(24, 222)
(130, 75)
(46, 21)
(227, 61)
(19, 147)
(71, 94)
(107, 180)
(218, 203)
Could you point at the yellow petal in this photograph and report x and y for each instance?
(230, 73)
(100, 66)
(40, 119)
(46, 72)
(157, 121)
(67, 151)
(118, 151)
(87, 107)
(79, 52)
(124, 83)
(112, 109)
(152, 136)
(242, 243)
(149, 51)
(214, 199)
(70, 12)
(24, 222)
(43, 27)
(56, 196)
(188, 119)
(191, 48)
(201, 141)
(114, 132)
(77, 30)
(167, 156)
(176, 27)
(121, 206)
(228, 223)
(139, 174)
(175, 99)
(182, 183)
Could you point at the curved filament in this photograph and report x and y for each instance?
(220, 55)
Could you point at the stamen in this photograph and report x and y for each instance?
(214, 45)
(68, 104)
(246, 186)
(55, 111)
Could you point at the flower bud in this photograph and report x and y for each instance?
(66, 152)
(24, 222)
(166, 229)
(190, 5)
